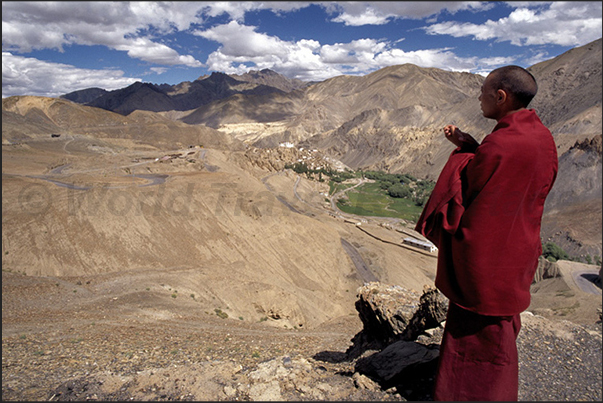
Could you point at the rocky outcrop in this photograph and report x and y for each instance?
(433, 307)
(398, 363)
(385, 311)
(595, 145)
(393, 318)
(392, 313)
(546, 269)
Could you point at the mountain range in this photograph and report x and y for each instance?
(155, 246)
(186, 95)
(376, 106)
(388, 120)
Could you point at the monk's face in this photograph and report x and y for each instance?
(488, 99)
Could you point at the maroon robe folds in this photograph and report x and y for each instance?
(484, 215)
(478, 358)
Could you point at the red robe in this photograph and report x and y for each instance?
(478, 358)
(484, 215)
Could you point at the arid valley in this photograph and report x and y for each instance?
(149, 258)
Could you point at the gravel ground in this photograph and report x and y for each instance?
(52, 350)
(559, 361)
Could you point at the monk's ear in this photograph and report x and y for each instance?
(501, 96)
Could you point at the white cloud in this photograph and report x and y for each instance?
(124, 26)
(558, 23)
(242, 40)
(537, 58)
(144, 49)
(242, 48)
(140, 29)
(167, 15)
(235, 9)
(369, 16)
(29, 76)
(158, 70)
(359, 53)
(439, 58)
(381, 12)
(241, 45)
(496, 61)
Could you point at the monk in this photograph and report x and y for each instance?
(484, 215)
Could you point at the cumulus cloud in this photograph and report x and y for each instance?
(439, 58)
(144, 49)
(242, 40)
(558, 23)
(124, 26)
(381, 12)
(236, 10)
(29, 76)
(368, 16)
(159, 70)
(496, 61)
(161, 34)
(242, 48)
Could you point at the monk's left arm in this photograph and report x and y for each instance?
(479, 170)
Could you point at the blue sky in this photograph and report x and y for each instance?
(53, 48)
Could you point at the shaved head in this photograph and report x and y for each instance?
(517, 82)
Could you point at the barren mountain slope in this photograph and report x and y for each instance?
(569, 94)
(569, 101)
(353, 117)
(242, 108)
(181, 97)
(206, 229)
(138, 265)
(407, 140)
(81, 204)
(572, 217)
(28, 117)
(333, 103)
(272, 79)
(84, 96)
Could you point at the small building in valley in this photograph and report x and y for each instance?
(426, 245)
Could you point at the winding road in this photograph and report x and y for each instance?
(361, 267)
(585, 281)
(365, 273)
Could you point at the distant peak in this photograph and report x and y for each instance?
(218, 74)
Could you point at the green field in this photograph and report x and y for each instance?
(370, 200)
(336, 187)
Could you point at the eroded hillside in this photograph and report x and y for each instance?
(145, 259)
(249, 241)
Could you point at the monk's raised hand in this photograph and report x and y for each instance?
(453, 134)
